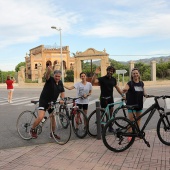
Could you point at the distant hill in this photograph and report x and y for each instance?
(146, 60)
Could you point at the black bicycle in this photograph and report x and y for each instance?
(75, 115)
(118, 141)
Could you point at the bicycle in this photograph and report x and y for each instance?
(118, 140)
(27, 118)
(75, 115)
(105, 115)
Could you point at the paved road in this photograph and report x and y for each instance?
(21, 101)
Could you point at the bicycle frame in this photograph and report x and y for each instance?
(152, 109)
(107, 110)
(73, 109)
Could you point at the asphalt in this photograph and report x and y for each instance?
(88, 154)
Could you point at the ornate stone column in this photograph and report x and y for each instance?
(21, 75)
(153, 70)
(39, 74)
(104, 65)
(132, 65)
(77, 70)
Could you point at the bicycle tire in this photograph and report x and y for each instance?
(79, 123)
(163, 129)
(64, 132)
(117, 140)
(24, 124)
(121, 112)
(92, 122)
(63, 110)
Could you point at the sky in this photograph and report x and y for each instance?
(126, 29)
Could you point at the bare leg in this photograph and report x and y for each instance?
(53, 122)
(8, 96)
(41, 114)
(131, 119)
(137, 115)
(85, 111)
(11, 95)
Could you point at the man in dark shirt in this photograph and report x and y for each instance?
(52, 89)
(106, 83)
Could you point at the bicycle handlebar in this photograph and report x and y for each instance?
(72, 98)
(157, 97)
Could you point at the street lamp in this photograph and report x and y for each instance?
(61, 57)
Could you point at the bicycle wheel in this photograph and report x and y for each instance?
(121, 113)
(64, 110)
(24, 124)
(79, 123)
(117, 140)
(62, 128)
(163, 129)
(92, 122)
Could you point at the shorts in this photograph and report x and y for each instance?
(10, 90)
(104, 102)
(43, 105)
(135, 110)
(84, 106)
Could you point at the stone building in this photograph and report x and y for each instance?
(38, 57)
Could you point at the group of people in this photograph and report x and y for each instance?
(54, 87)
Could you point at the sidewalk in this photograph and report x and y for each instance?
(88, 154)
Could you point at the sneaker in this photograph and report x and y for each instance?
(56, 136)
(129, 138)
(33, 133)
(10, 101)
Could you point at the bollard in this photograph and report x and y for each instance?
(98, 118)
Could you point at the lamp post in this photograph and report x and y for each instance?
(61, 57)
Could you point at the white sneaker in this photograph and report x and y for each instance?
(10, 101)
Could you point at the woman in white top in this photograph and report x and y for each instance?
(84, 89)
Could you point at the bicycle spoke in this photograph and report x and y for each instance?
(118, 140)
(24, 124)
(163, 129)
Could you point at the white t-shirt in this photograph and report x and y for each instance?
(81, 90)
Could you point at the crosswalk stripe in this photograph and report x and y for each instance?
(25, 100)
(18, 101)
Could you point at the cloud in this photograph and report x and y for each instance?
(133, 19)
(25, 21)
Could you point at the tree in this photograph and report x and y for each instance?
(70, 76)
(19, 65)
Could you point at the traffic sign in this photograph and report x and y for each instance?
(121, 71)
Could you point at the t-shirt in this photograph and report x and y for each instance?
(81, 90)
(106, 86)
(9, 84)
(135, 94)
(51, 90)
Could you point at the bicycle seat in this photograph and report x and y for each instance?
(131, 107)
(34, 101)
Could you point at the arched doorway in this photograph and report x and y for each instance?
(90, 54)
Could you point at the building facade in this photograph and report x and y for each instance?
(39, 56)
